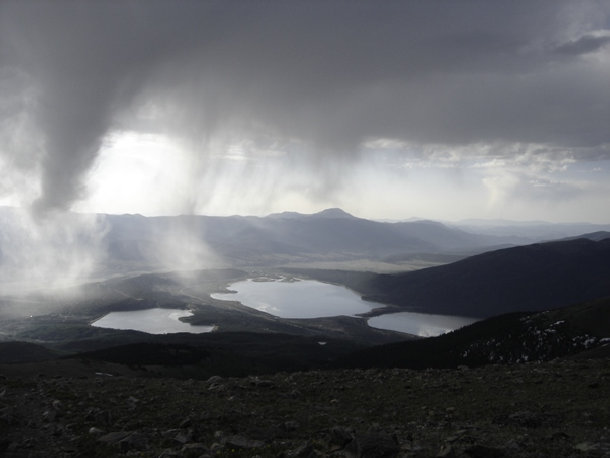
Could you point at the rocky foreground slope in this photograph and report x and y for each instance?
(558, 408)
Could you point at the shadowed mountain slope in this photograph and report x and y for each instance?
(527, 278)
(11, 352)
(511, 338)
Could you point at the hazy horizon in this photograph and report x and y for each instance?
(465, 221)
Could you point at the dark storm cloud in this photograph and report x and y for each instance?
(329, 74)
(584, 45)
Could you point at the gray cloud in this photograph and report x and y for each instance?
(584, 45)
(327, 75)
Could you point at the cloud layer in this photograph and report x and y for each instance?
(316, 81)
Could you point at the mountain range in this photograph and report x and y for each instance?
(522, 279)
(135, 243)
(291, 237)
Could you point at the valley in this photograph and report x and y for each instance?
(526, 279)
(525, 317)
(304, 229)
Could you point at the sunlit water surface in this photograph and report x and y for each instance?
(313, 299)
(152, 321)
(297, 299)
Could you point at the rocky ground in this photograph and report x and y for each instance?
(554, 409)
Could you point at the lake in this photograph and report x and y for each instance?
(297, 299)
(152, 321)
(313, 299)
(420, 324)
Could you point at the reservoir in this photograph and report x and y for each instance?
(152, 321)
(419, 324)
(313, 299)
(287, 299)
(297, 298)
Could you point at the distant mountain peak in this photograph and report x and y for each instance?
(286, 215)
(333, 213)
(426, 222)
(328, 213)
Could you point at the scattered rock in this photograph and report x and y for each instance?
(305, 450)
(186, 423)
(381, 413)
(49, 415)
(216, 447)
(603, 447)
(135, 441)
(242, 442)
(126, 440)
(193, 449)
(180, 435)
(446, 451)
(184, 436)
(291, 425)
(261, 383)
(115, 437)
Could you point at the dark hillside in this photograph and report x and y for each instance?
(11, 352)
(526, 278)
(511, 338)
(180, 355)
(226, 354)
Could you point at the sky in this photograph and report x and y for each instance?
(435, 109)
